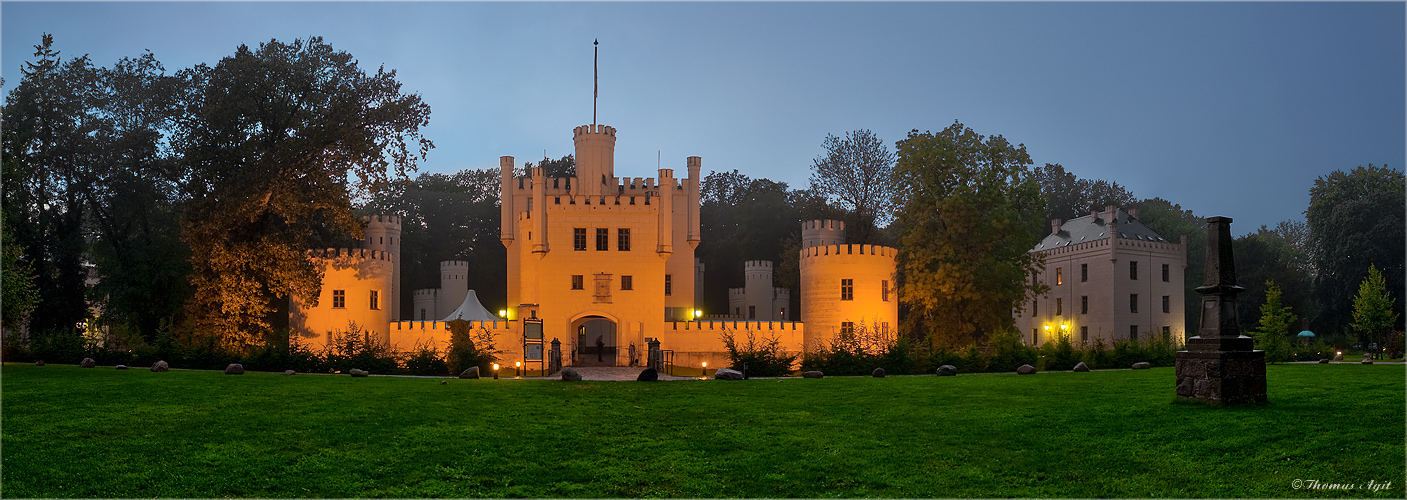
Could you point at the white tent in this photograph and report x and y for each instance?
(471, 310)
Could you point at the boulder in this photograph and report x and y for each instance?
(160, 366)
(649, 375)
(472, 372)
(1025, 370)
(39, 363)
(234, 369)
(87, 363)
(727, 374)
(358, 373)
(289, 372)
(569, 374)
(877, 373)
(1142, 365)
(444, 382)
(947, 371)
(121, 367)
(1081, 367)
(1338, 356)
(813, 374)
(1367, 361)
(1324, 361)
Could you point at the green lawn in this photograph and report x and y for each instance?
(71, 432)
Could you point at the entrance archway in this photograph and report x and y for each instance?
(595, 341)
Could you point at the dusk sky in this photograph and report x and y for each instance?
(1225, 108)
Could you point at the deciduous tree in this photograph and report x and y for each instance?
(857, 172)
(1276, 321)
(271, 138)
(1373, 309)
(1355, 221)
(971, 208)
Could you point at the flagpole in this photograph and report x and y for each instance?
(595, 86)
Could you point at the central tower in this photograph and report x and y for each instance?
(595, 158)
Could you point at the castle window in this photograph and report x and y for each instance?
(1033, 336)
(1167, 306)
(603, 239)
(1133, 332)
(668, 285)
(339, 299)
(375, 299)
(422, 315)
(1165, 272)
(847, 327)
(1133, 302)
(1059, 306)
(738, 312)
(1084, 304)
(578, 238)
(1084, 334)
(751, 312)
(1084, 273)
(623, 239)
(1133, 269)
(578, 282)
(1059, 276)
(884, 290)
(847, 289)
(627, 282)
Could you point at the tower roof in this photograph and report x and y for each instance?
(1093, 227)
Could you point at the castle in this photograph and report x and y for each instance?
(1111, 278)
(604, 265)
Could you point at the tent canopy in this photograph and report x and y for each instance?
(471, 310)
(1306, 333)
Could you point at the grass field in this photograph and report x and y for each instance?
(71, 432)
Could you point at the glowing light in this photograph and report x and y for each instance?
(698, 313)
(517, 364)
(1047, 328)
(503, 313)
(495, 367)
(1064, 327)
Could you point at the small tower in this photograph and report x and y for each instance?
(383, 234)
(819, 233)
(595, 157)
(454, 286)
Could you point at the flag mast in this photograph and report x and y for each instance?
(595, 86)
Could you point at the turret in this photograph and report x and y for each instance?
(383, 234)
(505, 197)
(454, 286)
(595, 157)
(815, 233)
(666, 213)
(691, 188)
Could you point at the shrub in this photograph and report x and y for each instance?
(858, 352)
(1008, 353)
(425, 359)
(357, 349)
(469, 347)
(1059, 355)
(763, 358)
(1159, 352)
(1097, 356)
(972, 361)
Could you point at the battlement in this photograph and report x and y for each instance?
(566, 203)
(454, 265)
(426, 292)
(594, 129)
(349, 253)
(822, 232)
(819, 224)
(738, 325)
(392, 221)
(849, 249)
(757, 265)
(781, 293)
(737, 292)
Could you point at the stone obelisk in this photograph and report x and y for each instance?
(1220, 365)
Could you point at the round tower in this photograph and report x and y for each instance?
(846, 286)
(425, 305)
(595, 157)
(757, 281)
(816, 233)
(383, 234)
(454, 286)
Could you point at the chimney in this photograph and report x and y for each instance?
(1109, 213)
(1094, 216)
(1055, 226)
(1133, 213)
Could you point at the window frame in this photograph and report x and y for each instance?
(578, 282)
(847, 289)
(579, 239)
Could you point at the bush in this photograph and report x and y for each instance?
(469, 347)
(1098, 357)
(357, 349)
(425, 359)
(1159, 352)
(1059, 355)
(763, 359)
(859, 352)
(1008, 353)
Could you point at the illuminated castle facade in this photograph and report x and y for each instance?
(606, 263)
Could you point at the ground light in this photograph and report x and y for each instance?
(705, 369)
(517, 368)
(495, 371)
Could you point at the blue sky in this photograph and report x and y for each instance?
(1164, 98)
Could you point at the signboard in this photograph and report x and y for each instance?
(532, 330)
(533, 352)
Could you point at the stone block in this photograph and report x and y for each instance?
(234, 369)
(160, 366)
(87, 363)
(1025, 370)
(813, 374)
(471, 372)
(1081, 367)
(1142, 365)
(947, 371)
(570, 374)
(727, 374)
(1232, 377)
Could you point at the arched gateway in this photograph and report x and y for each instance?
(595, 341)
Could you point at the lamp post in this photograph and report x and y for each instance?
(705, 369)
(517, 368)
(495, 371)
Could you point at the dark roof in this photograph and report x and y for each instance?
(1093, 227)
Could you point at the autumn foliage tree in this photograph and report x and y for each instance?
(857, 173)
(271, 138)
(970, 210)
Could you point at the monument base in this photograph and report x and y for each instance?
(1222, 377)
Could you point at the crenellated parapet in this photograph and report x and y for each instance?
(350, 253)
(822, 232)
(848, 251)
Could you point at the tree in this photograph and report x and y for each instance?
(562, 167)
(447, 217)
(16, 282)
(1068, 196)
(1355, 222)
(1271, 256)
(971, 206)
(1373, 309)
(858, 173)
(270, 138)
(49, 122)
(1276, 322)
